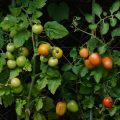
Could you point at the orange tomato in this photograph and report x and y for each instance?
(84, 52)
(43, 49)
(61, 108)
(88, 64)
(107, 63)
(95, 59)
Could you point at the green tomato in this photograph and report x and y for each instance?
(17, 90)
(10, 47)
(72, 106)
(43, 58)
(37, 28)
(11, 64)
(24, 51)
(53, 62)
(57, 52)
(9, 55)
(21, 60)
(15, 82)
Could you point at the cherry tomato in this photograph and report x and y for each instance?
(21, 60)
(9, 55)
(95, 59)
(11, 64)
(53, 62)
(72, 106)
(37, 28)
(61, 108)
(84, 52)
(88, 64)
(107, 102)
(107, 63)
(17, 90)
(15, 82)
(10, 47)
(57, 52)
(43, 49)
(24, 51)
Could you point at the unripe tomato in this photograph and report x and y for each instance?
(61, 108)
(72, 106)
(15, 82)
(9, 55)
(84, 52)
(107, 63)
(88, 64)
(10, 47)
(21, 60)
(53, 62)
(43, 58)
(43, 49)
(17, 90)
(107, 102)
(57, 52)
(95, 59)
(24, 51)
(37, 28)
(11, 64)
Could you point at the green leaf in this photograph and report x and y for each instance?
(113, 22)
(115, 92)
(37, 14)
(85, 90)
(59, 11)
(66, 67)
(97, 76)
(19, 106)
(116, 57)
(113, 81)
(2, 91)
(83, 72)
(21, 37)
(76, 69)
(15, 72)
(69, 76)
(2, 61)
(41, 83)
(54, 30)
(115, 6)
(104, 28)
(28, 66)
(97, 87)
(1, 39)
(117, 15)
(102, 49)
(15, 11)
(116, 32)
(73, 53)
(89, 18)
(38, 104)
(38, 3)
(93, 26)
(53, 85)
(37, 116)
(97, 9)
(113, 111)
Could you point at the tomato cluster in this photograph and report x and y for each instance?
(94, 59)
(50, 54)
(62, 107)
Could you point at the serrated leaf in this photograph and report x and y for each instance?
(19, 106)
(66, 67)
(97, 76)
(38, 104)
(2, 61)
(37, 116)
(83, 72)
(89, 18)
(41, 83)
(117, 15)
(115, 6)
(93, 26)
(14, 73)
(27, 66)
(37, 14)
(21, 37)
(58, 12)
(116, 57)
(54, 30)
(116, 32)
(53, 85)
(97, 9)
(113, 110)
(113, 22)
(102, 49)
(15, 11)
(39, 3)
(104, 28)
(73, 53)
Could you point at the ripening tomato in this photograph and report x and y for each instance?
(107, 63)
(24, 51)
(84, 52)
(57, 52)
(15, 82)
(37, 28)
(95, 59)
(107, 102)
(43, 49)
(88, 64)
(61, 108)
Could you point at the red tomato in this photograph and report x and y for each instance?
(107, 102)
(84, 52)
